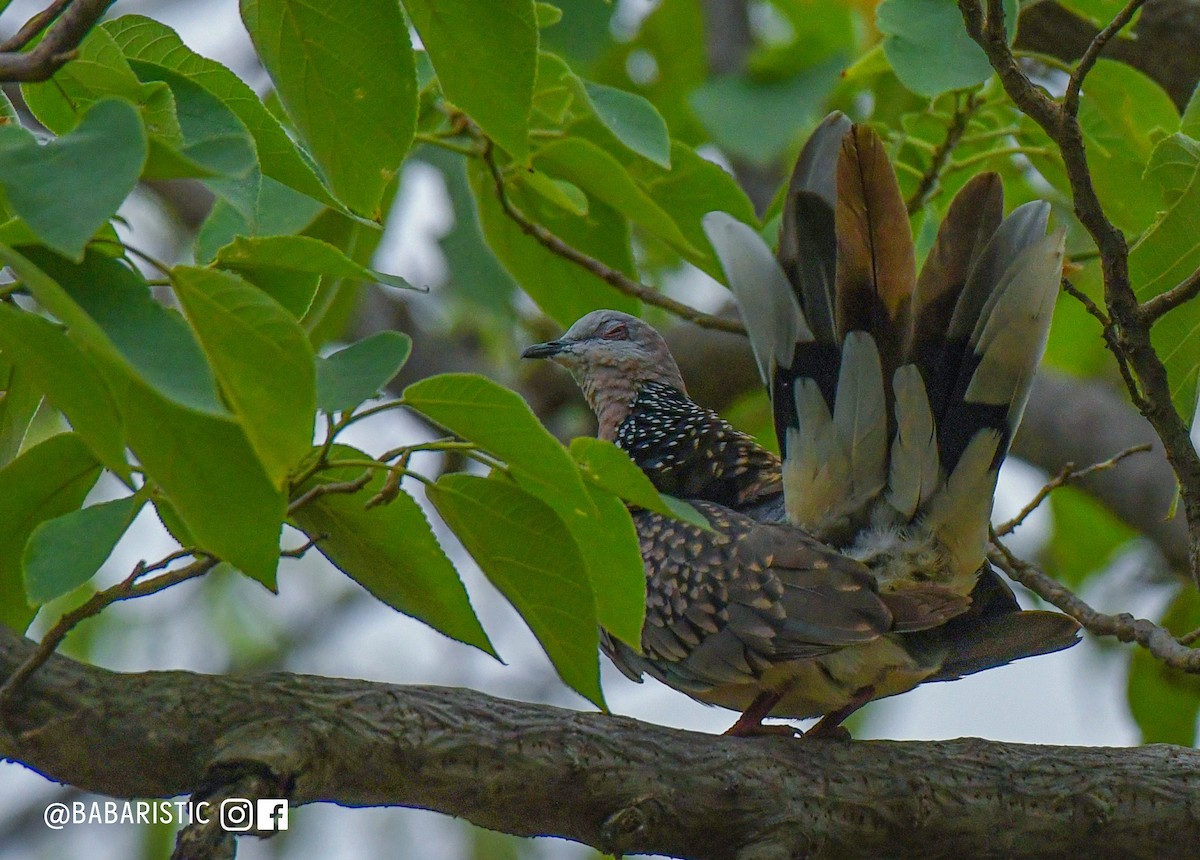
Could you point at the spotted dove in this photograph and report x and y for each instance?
(855, 569)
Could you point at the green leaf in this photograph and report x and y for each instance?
(1189, 123)
(349, 84)
(67, 189)
(70, 382)
(1173, 166)
(360, 371)
(1165, 702)
(145, 39)
(1123, 115)
(555, 88)
(928, 46)
(693, 188)
(262, 359)
(212, 477)
(500, 422)
(604, 178)
(563, 194)
(99, 71)
(389, 550)
(166, 397)
(289, 268)
(605, 465)
(468, 42)
(19, 401)
(1098, 12)
(109, 311)
(280, 211)
(213, 144)
(65, 552)
(46, 481)
(608, 545)
(528, 553)
(561, 288)
(475, 273)
(1077, 513)
(1166, 254)
(758, 120)
(547, 15)
(633, 120)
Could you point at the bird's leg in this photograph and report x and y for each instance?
(830, 727)
(749, 724)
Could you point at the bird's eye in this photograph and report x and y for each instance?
(615, 331)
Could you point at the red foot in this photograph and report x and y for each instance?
(749, 724)
(830, 727)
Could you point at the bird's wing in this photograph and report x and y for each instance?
(723, 606)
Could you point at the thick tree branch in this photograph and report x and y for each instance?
(57, 48)
(611, 782)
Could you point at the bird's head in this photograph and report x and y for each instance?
(611, 355)
(610, 343)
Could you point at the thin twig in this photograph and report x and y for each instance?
(1185, 291)
(1092, 54)
(302, 550)
(126, 589)
(75, 19)
(938, 159)
(1154, 638)
(346, 487)
(1066, 475)
(609, 275)
(33, 26)
(1111, 339)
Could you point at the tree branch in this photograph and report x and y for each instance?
(611, 782)
(57, 48)
(927, 185)
(609, 275)
(1151, 389)
(1158, 640)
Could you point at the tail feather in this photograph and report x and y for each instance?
(997, 364)
(817, 472)
(807, 237)
(860, 416)
(876, 265)
(895, 397)
(915, 463)
(769, 306)
(970, 222)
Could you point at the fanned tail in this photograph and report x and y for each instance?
(895, 396)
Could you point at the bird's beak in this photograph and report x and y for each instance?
(544, 350)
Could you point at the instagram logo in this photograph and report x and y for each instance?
(237, 814)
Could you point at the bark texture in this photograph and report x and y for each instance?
(611, 782)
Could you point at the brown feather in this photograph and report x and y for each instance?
(876, 266)
(971, 220)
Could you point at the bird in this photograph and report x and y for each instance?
(854, 566)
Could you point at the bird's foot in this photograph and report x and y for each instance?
(749, 724)
(823, 731)
(749, 729)
(830, 727)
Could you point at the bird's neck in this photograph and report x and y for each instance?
(611, 400)
(613, 395)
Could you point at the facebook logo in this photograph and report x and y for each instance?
(272, 814)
